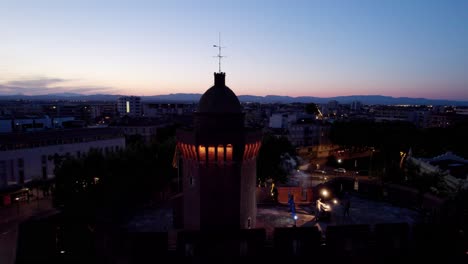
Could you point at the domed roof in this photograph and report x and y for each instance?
(219, 98)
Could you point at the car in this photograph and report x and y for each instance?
(320, 171)
(340, 170)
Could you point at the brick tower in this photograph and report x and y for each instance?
(219, 163)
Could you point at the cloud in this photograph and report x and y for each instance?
(35, 83)
(41, 86)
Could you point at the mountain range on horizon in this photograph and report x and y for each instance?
(195, 97)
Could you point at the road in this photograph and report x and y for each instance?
(11, 217)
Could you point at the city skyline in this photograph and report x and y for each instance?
(320, 49)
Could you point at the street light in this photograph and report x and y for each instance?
(324, 193)
(339, 160)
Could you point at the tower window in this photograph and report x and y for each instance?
(194, 152)
(202, 152)
(211, 153)
(220, 154)
(229, 152)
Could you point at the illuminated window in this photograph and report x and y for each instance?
(194, 152)
(229, 152)
(251, 151)
(186, 151)
(220, 154)
(128, 106)
(211, 153)
(257, 148)
(202, 152)
(247, 151)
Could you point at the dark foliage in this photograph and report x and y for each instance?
(312, 109)
(115, 182)
(270, 158)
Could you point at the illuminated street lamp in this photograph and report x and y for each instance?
(324, 193)
(339, 160)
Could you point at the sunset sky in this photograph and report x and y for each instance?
(297, 48)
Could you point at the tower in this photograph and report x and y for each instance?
(219, 163)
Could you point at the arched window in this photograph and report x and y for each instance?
(251, 151)
(220, 154)
(186, 151)
(202, 152)
(247, 151)
(211, 153)
(229, 152)
(193, 152)
(257, 148)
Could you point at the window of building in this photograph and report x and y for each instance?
(229, 152)
(202, 153)
(220, 154)
(211, 153)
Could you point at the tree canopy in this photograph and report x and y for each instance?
(311, 108)
(269, 161)
(115, 181)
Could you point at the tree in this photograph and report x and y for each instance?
(118, 182)
(270, 158)
(312, 109)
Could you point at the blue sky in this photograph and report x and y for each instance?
(316, 48)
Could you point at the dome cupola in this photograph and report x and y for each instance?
(219, 98)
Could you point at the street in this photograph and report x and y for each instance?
(11, 217)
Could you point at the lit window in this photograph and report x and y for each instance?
(128, 106)
(194, 152)
(248, 148)
(229, 152)
(220, 154)
(202, 152)
(211, 153)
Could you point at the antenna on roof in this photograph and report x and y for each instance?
(219, 56)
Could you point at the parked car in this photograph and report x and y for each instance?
(340, 170)
(320, 171)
